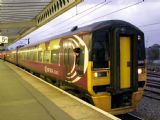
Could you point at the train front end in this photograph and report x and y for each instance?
(117, 67)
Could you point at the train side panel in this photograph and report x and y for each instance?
(57, 59)
(11, 56)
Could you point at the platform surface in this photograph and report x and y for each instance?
(24, 97)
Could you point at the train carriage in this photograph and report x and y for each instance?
(105, 60)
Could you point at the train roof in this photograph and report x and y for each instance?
(90, 28)
(95, 26)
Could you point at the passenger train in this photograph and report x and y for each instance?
(105, 61)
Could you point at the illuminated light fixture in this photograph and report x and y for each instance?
(139, 37)
(139, 70)
(39, 48)
(95, 74)
(65, 44)
(69, 44)
(100, 74)
(56, 47)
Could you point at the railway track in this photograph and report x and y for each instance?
(153, 74)
(153, 84)
(129, 116)
(152, 89)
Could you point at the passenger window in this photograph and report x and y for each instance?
(25, 55)
(31, 55)
(78, 53)
(19, 56)
(39, 56)
(28, 55)
(46, 56)
(65, 56)
(14, 55)
(55, 56)
(34, 56)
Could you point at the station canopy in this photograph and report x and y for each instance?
(21, 17)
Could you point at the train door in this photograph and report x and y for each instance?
(124, 76)
(125, 68)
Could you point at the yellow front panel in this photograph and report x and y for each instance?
(103, 102)
(89, 78)
(105, 80)
(124, 62)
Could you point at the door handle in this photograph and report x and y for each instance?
(128, 63)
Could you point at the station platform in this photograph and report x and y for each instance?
(27, 97)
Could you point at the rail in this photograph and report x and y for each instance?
(129, 116)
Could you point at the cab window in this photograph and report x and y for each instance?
(100, 49)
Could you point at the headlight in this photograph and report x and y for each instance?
(139, 70)
(95, 74)
(100, 74)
